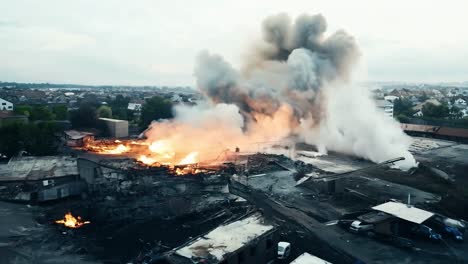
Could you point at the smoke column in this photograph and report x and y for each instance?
(294, 85)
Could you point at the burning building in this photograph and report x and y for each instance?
(295, 87)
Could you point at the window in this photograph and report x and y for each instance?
(3, 103)
(10, 107)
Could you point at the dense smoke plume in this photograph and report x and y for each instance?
(295, 86)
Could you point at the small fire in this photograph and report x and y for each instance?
(118, 150)
(71, 222)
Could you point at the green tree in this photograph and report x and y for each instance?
(23, 110)
(10, 142)
(455, 113)
(435, 111)
(403, 106)
(120, 101)
(104, 111)
(85, 116)
(155, 108)
(36, 139)
(60, 112)
(39, 139)
(41, 113)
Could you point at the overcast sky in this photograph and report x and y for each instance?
(155, 42)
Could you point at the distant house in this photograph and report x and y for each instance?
(464, 112)
(134, 107)
(420, 106)
(5, 105)
(418, 114)
(391, 98)
(460, 101)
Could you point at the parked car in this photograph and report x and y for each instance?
(445, 230)
(426, 232)
(284, 250)
(360, 227)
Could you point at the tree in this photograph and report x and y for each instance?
(403, 106)
(41, 112)
(104, 111)
(455, 113)
(23, 110)
(60, 112)
(39, 139)
(120, 101)
(435, 111)
(10, 144)
(155, 108)
(85, 116)
(36, 139)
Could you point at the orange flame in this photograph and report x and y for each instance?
(71, 222)
(151, 153)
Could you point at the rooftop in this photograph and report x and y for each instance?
(404, 211)
(225, 239)
(113, 120)
(37, 168)
(307, 258)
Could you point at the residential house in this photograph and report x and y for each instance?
(5, 105)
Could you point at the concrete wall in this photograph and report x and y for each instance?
(116, 128)
(260, 250)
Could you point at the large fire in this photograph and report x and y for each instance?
(72, 222)
(154, 154)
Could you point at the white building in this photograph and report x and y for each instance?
(5, 105)
(386, 106)
(116, 128)
(391, 98)
(249, 240)
(418, 113)
(134, 107)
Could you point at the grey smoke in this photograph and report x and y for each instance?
(296, 55)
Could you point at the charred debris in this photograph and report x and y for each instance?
(122, 210)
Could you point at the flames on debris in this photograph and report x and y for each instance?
(154, 154)
(72, 222)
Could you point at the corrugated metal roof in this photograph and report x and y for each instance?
(403, 211)
(36, 168)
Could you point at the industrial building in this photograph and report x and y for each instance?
(115, 127)
(39, 179)
(249, 240)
